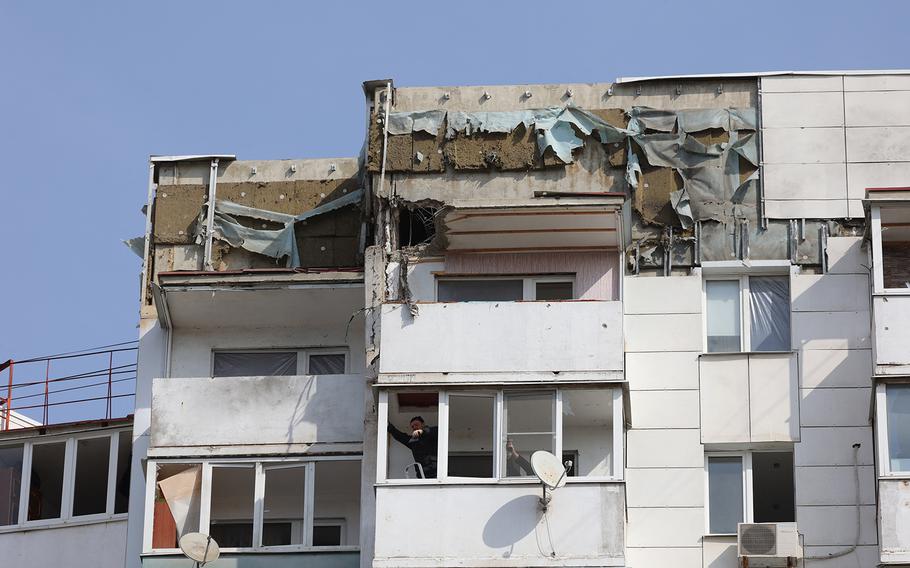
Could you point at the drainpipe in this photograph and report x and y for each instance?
(210, 214)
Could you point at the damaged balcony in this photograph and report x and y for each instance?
(508, 294)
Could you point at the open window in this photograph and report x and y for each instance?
(891, 231)
(10, 483)
(505, 288)
(730, 476)
(45, 493)
(485, 434)
(176, 505)
(413, 455)
(91, 483)
(747, 313)
(268, 363)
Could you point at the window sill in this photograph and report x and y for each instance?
(720, 535)
(262, 550)
(490, 482)
(60, 523)
(728, 353)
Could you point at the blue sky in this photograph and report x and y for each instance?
(89, 89)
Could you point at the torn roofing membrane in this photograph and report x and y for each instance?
(276, 243)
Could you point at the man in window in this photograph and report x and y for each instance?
(423, 445)
(516, 464)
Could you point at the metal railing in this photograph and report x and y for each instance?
(94, 378)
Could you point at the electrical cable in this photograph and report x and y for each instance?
(120, 369)
(103, 383)
(847, 551)
(97, 348)
(66, 356)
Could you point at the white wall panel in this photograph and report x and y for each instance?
(671, 332)
(877, 83)
(666, 527)
(835, 525)
(664, 448)
(877, 144)
(833, 446)
(664, 409)
(803, 145)
(835, 407)
(773, 398)
(98, 545)
(806, 209)
(805, 181)
(676, 487)
(862, 176)
(882, 108)
(895, 518)
(720, 552)
(836, 368)
(801, 83)
(724, 399)
(892, 338)
(834, 485)
(655, 295)
(830, 293)
(673, 370)
(831, 330)
(846, 255)
(802, 109)
(860, 558)
(675, 557)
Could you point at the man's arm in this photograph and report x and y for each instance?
(399, 435)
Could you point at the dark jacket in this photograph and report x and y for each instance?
(518, 466)
(424, 448)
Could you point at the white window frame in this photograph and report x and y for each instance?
(745, 315)
(748, 493)
(260, 465)
(303, 356)
(878, 259)
(529, 283)
(617, 459)
(69, 481)
(881, 431)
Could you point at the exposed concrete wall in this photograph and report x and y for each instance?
(499, 525)
(95, 545)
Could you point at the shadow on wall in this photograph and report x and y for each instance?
(512, 522)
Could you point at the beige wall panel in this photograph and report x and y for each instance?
(805, 181)
(830, 292)
(676, 487)
(835, 525)
(664, 449)
(803, 145)
(833, 446)
(669, 332)
(882, 108)
(675, 557)
(720, 552)
(814, 485)
(806, 209)
(724, 399)
(665, 527)
(846, 255)
(649, 295)
(836, 368)
(877, 83)
(831, 330)
(862, 176)
(773, 398)
(801, 83)
(802, 109)
(835, 407)
(664, 409)
(877, 144)
(674, 370)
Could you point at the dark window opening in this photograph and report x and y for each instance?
(416, 226)
(327, 535)
(261, 364)
(326, 364)
(124, 459)
(10, 480)
(489, 290)
(46, 490)
(553, 291)
(90, 491)
(772, 487)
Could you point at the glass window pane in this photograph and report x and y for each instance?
(725, 494)
(723, 317)
(264, 364)
(90, 489)
(45, 494)
(326, 364)
(529, 428)
(898, 407)
(587, 430)
(10, 484)
(769, 312)
(553, 291)
(284, 508)
(177, 501)
(231, 517)
(124, 462)
(337, 497)
(491, 290)
(413, 455)
(471, 438)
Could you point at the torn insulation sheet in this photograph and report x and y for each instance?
(278, 243)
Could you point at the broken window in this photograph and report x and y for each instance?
(413, 425)
(177, 503)
(231, 509)
(769, 475)
(10, 484)
(254, 364)
(472, 421)
(416, 226)
(337, 503)
(284, 512)
(45, 496)
(897, 402)
(124, 459)
(326, 364)
(481, 290)
(748, 313)
(529, 420)
(90, 489)
(587, 430)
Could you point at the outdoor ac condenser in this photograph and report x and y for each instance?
(768, 544)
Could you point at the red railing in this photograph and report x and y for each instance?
(95, 378)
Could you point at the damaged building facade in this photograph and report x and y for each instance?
(689, 289)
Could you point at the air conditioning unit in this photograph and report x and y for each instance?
(768, 544)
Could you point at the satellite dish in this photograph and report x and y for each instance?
(199, 547)
(548, 469)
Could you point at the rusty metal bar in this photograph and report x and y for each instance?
(110, 369)
(47, 378)
(9, 394)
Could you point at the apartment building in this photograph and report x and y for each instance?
(688, 289)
